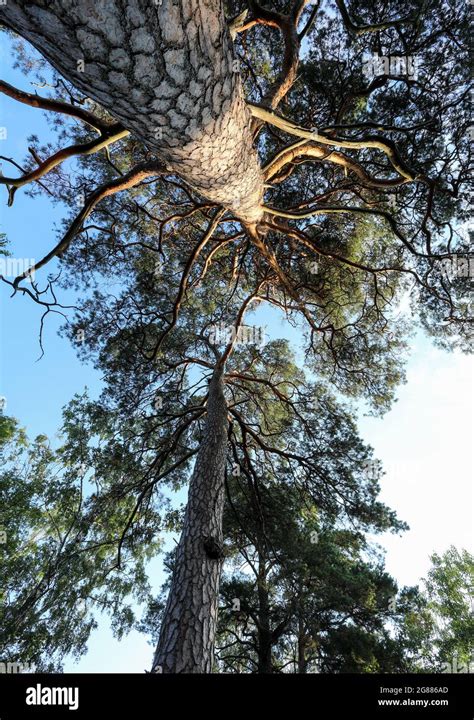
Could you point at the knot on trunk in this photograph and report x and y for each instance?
(213, 548)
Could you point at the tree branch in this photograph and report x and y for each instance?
(115, 133)
(132, 178)
(387, 146)
(58, 106)
(372, 27)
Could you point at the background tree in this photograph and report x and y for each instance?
(60, 527)
(295, 526)
(439, 635)
(149, 370)
(296, 470)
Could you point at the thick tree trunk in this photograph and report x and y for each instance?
(167, 71)
(186, 643)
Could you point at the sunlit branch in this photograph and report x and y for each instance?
(58, 106)
(208, 262)
(386, 146)
(93, 146)
(303, 149)
(334, 209)
(132, 178)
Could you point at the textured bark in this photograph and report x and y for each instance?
(167, 71)
(264, 627)
(302, 643)
(186, 643)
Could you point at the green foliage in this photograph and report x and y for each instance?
(439, 636)
(313, 595)
(58, 569)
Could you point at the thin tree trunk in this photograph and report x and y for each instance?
(264, 628)
(167, 71)
(302, 660)
(186, 643)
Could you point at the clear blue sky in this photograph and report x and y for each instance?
(424, 442)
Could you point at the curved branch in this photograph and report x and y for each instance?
(303, 149)
(270, 256)
(288, 26)
(238, 322)
(336, 209)
(208, 262)
(58, 106)
(372, 141)
(372, 27)
(185, 276)
(93, 146)
(132, 178)
(310, 21)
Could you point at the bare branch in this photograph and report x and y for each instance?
(93, 146)
(58, 106)
(132, 178)
(387, 146)
(373, 27)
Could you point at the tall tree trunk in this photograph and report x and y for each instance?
(302, 642)
(264, 627)
(186, 643)
(167, 71)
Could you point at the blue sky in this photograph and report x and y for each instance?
(424, 442)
